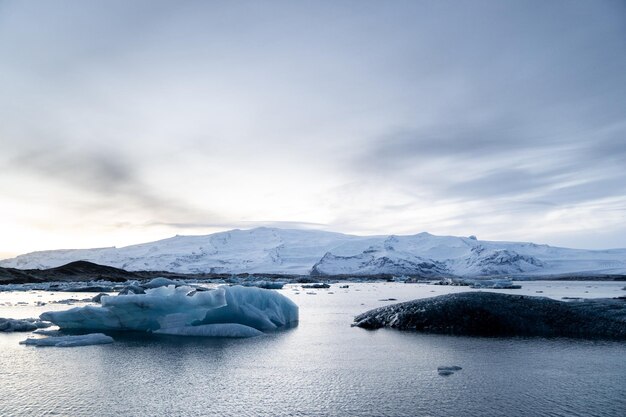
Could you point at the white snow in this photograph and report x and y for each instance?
(240, 312)
(271, 250)
(70, 341)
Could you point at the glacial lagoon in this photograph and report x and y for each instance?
(322, 367)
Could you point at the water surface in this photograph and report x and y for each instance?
(323, 367)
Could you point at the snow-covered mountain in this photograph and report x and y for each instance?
(284, 251)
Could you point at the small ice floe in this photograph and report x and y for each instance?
(268, 285)
(22, 325)
(317, 286)
(132, 289)
(98, 298)
(45, 332)
(447, 370)
(161, 282)
(500, 284)
(455, 282)
(70, 341)
(88, 288)
(72, 301)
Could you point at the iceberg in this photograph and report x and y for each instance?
(493, 314)
(223, 312)
(70, 341)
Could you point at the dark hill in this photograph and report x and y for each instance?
(74, 271)
(89, 271)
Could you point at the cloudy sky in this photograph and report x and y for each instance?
(123, 122)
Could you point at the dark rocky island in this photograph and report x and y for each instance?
(492, 314)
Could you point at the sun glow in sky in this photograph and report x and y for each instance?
(125, 122)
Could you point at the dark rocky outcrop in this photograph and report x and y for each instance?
(74, 271)
(492, 314)
(83, 271)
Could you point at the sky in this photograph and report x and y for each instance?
(125, 122)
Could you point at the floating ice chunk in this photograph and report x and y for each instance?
(13, 325)
(160, 282)
(70, 341)
(88, 288)
(318, 285)
(268, 285)
(46, 332)
(213, 330)
(132, 289)
(21, 325)
(98, 297)
(495, 284)
(169, 309)
(449, 368)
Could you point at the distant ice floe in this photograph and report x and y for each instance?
(448, 370)
(320, 285)
(500, 284)
(21, 325)
(160, 282)
(268, 285)
(70, 341)
(494, 284)
(223, 312)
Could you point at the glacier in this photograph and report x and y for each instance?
(227, 311)
(303, 252)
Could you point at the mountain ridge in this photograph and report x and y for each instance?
(322, 253)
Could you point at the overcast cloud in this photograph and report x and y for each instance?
(123, 122)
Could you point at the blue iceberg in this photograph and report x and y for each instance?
(223, 312)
